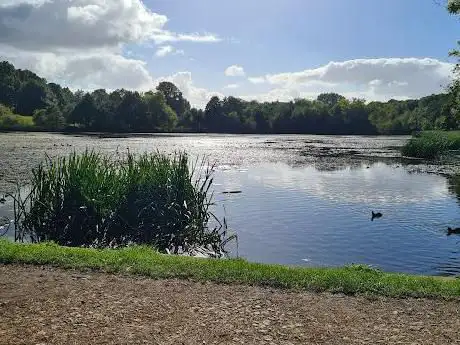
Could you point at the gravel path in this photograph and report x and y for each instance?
(51, 306)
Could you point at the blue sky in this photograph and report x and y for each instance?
(291, 35)
(380, 47)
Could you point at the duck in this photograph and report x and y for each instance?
(451, 231)
(376, 215)
(2, 200)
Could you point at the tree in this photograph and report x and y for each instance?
(50, 118)
(32, 95)
(174, 98)
(9, 84)
(161, 115)
(330, 99)
(85, 112)
(454, 8)
(213, 113)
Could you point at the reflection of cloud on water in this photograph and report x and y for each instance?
(378, 184)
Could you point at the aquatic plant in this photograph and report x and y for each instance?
(432, 144)
(92, 199)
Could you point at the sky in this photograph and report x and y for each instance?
(264, 50)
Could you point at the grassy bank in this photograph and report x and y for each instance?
(15, 122)
(432, 144)
(145, 262)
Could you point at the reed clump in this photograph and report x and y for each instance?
(91, 199)
(432, 144)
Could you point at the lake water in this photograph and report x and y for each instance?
(305, 200)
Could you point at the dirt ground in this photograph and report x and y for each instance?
(51, 306)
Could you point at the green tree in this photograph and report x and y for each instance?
(174, 98)
(161, 115)
(330, 99)
(85, 112)
(32, 95)
(50, 119)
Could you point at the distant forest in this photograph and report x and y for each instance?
(30, 102)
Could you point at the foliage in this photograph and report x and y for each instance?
(174, 98)
(432, 144)
(51, 118)
(92, 199)
(11, 121)
(166, 109)
(146, 262)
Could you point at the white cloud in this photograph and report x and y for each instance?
(378, 79)
(163, 36)
(257, 80)
(84, 43)
(235, 71)
(198, 97)
(92, 70)
(75, 24)
(168, 50)
(282, 95)
(232, 86)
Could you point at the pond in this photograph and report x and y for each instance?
(305, 200)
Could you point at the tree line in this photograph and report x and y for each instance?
(165, 109)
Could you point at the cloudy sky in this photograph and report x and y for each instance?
(254, 49)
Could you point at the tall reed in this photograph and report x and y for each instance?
(91, 199)
(432, 144)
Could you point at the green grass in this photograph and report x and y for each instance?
(13, 121)
(146, 262)
(432, 144)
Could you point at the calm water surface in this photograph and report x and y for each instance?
(306, 200)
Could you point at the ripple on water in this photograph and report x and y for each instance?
(295, 204)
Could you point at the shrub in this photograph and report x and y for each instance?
(432, 144)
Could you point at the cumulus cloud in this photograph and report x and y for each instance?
(235, 71)
(45, 25)
(257, 80)
(278, 94)
(232, 86)
(87, 71)
(166, 36)
(379, 79)
(80, 43)
(168, 50)
(198, 97)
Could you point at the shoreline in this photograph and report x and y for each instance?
(145, 262)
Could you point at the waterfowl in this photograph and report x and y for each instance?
(2, 200)
(451, 231)
(376, 215)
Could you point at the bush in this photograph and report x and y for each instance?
(93, 200)
(431, 144)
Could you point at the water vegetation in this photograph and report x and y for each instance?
(432, 144)
(92, 199)
(138, 260)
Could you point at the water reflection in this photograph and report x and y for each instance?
(454, 186)
(306, 200)
(378, 183)
(303, 216)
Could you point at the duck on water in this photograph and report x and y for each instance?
(451, 231)
(376, 215)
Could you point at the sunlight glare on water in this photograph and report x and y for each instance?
(306, 200)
